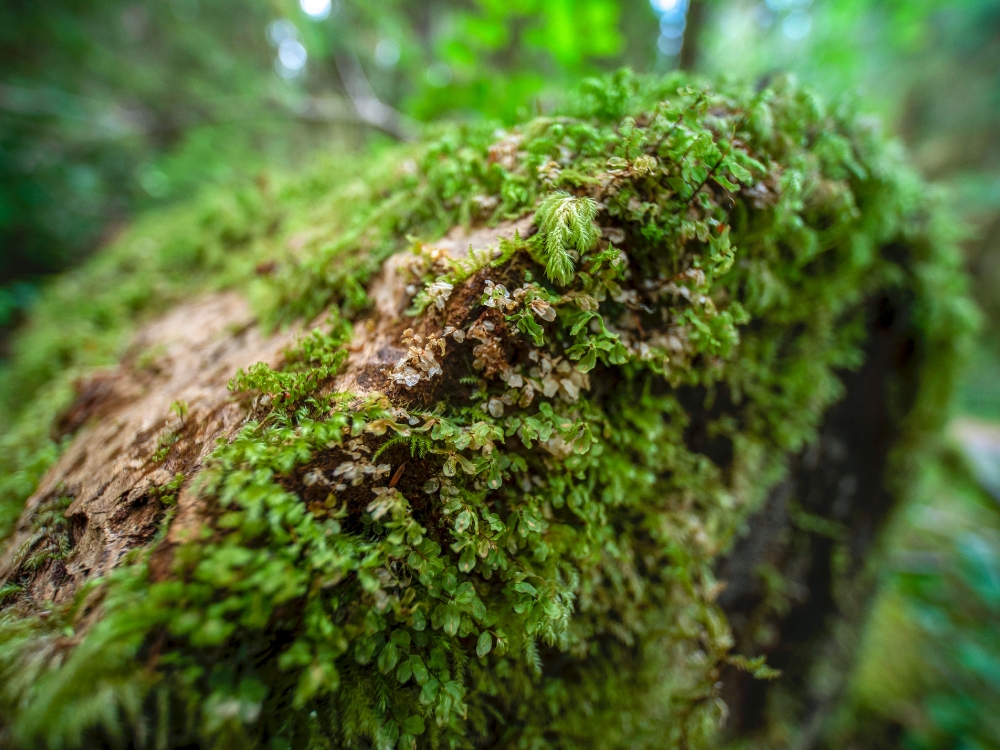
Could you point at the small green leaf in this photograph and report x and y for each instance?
(455, 690)
(390, 732)
(581, 322)
(388, 657)
(587, 363)
(478, 609)
(414, 724)
(495, 479)
(420, 673)
(619, 354)
(429, 692)
(419, 620)
(452, 619)
(404, 672)
(485, 644)
(738, 171)
(468, 559)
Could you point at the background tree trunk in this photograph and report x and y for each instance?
(799, 580)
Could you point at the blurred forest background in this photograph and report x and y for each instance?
(112, 108)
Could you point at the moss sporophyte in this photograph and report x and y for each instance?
(506, 535)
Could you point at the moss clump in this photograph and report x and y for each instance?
(513, 544)
(84, 320)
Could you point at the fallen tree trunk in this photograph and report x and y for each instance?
(588, 471)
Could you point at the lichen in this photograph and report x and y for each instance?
(527, 560)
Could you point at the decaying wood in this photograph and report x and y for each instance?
(123, 416)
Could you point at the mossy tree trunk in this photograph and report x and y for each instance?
(582, 472)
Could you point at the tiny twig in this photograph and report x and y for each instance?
(680, 119)
(722, 158)
(154, 651)
(370, 108)
(397, 475)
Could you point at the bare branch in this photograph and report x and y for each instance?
(370, 108)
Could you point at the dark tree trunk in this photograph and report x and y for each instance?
(818, 532)
(692, 35)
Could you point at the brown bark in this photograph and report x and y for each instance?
(123, 417)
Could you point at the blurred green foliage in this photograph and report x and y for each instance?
(116, 105)
(90, 93)
(930, 667)
(503, 54)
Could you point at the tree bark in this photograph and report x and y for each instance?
(690, 49)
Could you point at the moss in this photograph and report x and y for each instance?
(85, 319)
(529, 557)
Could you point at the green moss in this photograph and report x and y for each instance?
(546, 567)
(85, 319)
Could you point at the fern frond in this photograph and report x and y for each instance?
(9, 589)
(398, 440)
(532, 659)
(566, 226)
(420, 446)
(464, 268)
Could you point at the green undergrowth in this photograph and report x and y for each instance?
(524, 558)
(930, 664)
